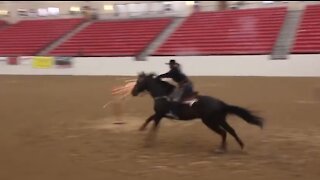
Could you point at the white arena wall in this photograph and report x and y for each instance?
(130, 9)
(295, 66)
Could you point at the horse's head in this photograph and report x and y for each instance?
(142, 83)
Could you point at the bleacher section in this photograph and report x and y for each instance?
(113, 38)
(2, 23)
(30, 36)
(308, 35)
(251, 31)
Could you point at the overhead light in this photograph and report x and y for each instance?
(189, 3)
(42, 12)
(53, 10)
(267, 2)
(4, 12)
(108, 7)
(75, 8)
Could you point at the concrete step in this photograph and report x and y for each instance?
(161, 38)
(287, 35)
(61, 40)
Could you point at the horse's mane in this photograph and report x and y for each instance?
(165, 83)
(169, 87)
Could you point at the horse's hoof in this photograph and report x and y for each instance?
(119, 122)
(261, 126)
(142, 128)
(242, 146)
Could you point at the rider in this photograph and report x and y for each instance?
(185, 86)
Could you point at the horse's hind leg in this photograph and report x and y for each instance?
(230, 130)
(210, 123)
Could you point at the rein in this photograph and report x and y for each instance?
(162, 97)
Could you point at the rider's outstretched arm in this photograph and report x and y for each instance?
(166, 75)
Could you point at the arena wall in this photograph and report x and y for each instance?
(131, 9)
(296, 66)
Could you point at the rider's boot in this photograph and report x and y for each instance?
(171, 114)
(173, 110)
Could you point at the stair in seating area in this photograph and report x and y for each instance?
(229, 32)
(113, 38)
(64, 38)
(161, 38)
(28, 37)
(287, 35)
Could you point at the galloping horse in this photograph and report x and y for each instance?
(211, 111)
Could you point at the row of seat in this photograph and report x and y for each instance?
(227, 32)
(249, 31)
(308, 34)
(28, 37)
(2, 23)
(113, 38)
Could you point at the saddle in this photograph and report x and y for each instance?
(190, 99)
(191, 96)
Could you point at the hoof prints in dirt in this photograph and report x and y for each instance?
(110, 124)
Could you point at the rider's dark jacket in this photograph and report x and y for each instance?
(175, 74)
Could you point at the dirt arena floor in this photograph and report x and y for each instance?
(54, 128)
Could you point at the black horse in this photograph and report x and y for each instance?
(212, 111)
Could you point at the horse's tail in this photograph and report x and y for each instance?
(245, 114)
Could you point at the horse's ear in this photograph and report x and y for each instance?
(153, 75)
(141, 74)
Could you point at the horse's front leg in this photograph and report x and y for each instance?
(157, 119)
(153, 132)
(144, 125)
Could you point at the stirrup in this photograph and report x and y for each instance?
(171, 114)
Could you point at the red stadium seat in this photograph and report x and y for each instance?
(2, 23)
(250, 31)
(308, 34)
(113, 38)
(30, 36)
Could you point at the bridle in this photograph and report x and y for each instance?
(162, 97)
